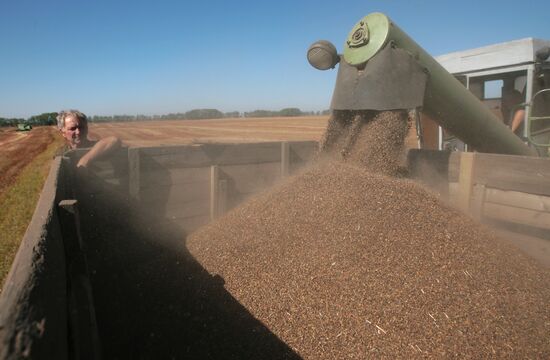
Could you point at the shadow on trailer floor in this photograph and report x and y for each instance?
(153, 299)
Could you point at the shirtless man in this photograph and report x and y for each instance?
(73, 126)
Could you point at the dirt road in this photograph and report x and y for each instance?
(20, 148)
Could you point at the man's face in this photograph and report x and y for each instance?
(75, 131)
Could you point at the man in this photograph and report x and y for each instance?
(517, 122)
(73, 126)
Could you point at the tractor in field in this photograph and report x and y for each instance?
(24, 127)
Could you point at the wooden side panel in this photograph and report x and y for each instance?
(301, 153)
(285, 158)
(506, 172)
(518, 199)
(431, 167)
(177, 180)
(212, 154)
(466, 180)
(454, 166)
(173, 177)
(430, 132)
(517, 173)
(516, 215)
(178, 196)
(134, 172)
(190, 224)
(518, 208)
(251, 178)
(501, 189)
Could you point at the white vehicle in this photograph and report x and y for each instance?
(507, 77)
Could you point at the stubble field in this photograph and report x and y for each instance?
(237, 130)
(18, 149)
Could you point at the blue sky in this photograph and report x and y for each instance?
(156, 57)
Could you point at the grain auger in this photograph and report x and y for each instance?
(383, 69)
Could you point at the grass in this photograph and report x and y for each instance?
(17, 205)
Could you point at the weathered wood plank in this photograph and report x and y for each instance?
(134, 172)
(478, 201)
(518, 173)
(297, 146)
(114, 181)
(174, 194)
(191, 224)
(517, 215)
(453, 193)
(174, 177)
(214, 188)
(173, 210)
(466, 180)
(152, 151)
(213, 154)
(222, 197)
(105, 173)
(118, 159)
(285, 158)
(251, 178)
(518, 199)
(453, 166)
(303, 151)
(431, 167)
(534, 246)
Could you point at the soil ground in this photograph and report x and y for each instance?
(19, 149)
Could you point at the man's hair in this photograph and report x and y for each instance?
(65, 114)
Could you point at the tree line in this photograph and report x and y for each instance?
(42, 119)
(195, 114)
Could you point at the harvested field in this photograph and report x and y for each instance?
(19, 149)
(342, 261)
(173, 132)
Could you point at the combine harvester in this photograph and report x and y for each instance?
(62, 298)
(381, 68)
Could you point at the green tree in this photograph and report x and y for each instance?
(43, 119)
(204, 114)
(290, 112)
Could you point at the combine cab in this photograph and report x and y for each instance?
(508, 78)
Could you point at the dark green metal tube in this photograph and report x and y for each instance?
(446, 100)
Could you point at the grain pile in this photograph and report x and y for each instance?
(344, 262)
